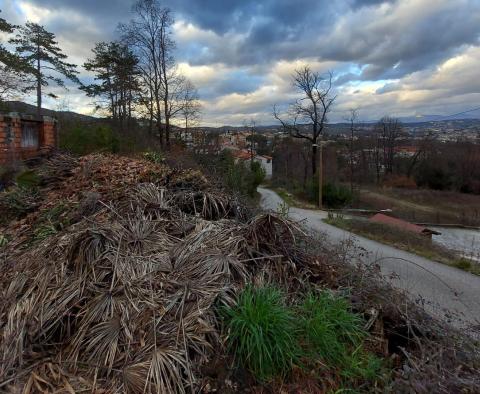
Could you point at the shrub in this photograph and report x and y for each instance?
(463, 264)
(333, 195)
(27, 179)
(240, 177)
(262, 332)
(83, 139)
(17, 201)
(154, 157)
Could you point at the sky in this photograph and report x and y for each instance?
(394, 57)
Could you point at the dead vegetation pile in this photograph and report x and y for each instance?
(122, 296)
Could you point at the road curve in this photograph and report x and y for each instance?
(451, 294)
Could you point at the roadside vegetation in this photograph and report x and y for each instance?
(272, 335)
(410, 242)
(129, 275)
(334, 196)
(237, 176)
(424, 205)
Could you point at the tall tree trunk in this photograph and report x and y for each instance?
(314, 157)
(159, 119)
(39, 84)
(167, 116)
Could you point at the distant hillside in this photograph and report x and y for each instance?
(24, 108)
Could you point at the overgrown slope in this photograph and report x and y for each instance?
(115, 273)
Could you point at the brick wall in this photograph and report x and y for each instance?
(11, 137)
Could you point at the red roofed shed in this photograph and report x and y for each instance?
(402, 224)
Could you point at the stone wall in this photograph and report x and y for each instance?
(11, 127)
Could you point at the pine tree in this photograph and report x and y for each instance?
(13, 69)
(5, 27)
(40, 50)
(116, 70)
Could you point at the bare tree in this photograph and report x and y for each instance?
(352, 119)
(191, 107)
(312, 109)
(149, 36)
(389, 130)
(251, 125)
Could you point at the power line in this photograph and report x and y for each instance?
(461, 113)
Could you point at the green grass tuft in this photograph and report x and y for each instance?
(27, 179)
(262, 332)
(333, 333)
(269, 337)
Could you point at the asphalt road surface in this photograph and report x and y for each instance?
(450, 294)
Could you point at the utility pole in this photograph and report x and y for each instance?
(320, 174)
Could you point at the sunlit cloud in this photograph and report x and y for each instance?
(398, 57)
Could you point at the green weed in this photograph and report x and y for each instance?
(27, 179)
(262, 332)
(269, 337)
(333, 333)
(154, 157)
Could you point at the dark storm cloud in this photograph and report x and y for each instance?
(347, 31)
(364, 40)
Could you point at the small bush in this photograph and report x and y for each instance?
(51, 222)
(262, 332)
(333, 195)
(154, 157)
(240, 177)
(463, 264)
(17, 201)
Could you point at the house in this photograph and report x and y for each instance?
(402, 224)
(241, 155)
(25, 136)
(406, 151)
(245, 155)
(266, 163)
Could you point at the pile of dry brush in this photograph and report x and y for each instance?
(123, 299)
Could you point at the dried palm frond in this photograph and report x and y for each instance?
(143, 235)
(151, 195)
(100, 344)
(89, 246)
(162, 372)
(49, 377)
(57, 167)
(207, 205)
(272, 233)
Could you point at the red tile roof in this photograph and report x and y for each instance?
(241, 154)
(384, 219)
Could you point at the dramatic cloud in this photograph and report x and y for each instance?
(402, 57)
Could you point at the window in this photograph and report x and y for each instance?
(9, 134)
(29, 135)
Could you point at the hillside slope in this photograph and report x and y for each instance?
(115, 271)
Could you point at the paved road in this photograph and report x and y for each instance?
(446, 289)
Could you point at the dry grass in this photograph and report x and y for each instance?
(410, 242)
(425, 206)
